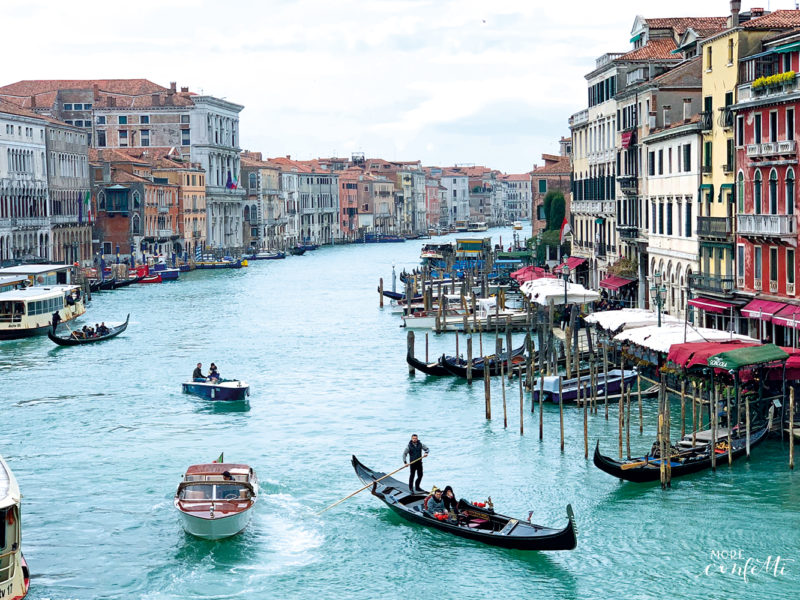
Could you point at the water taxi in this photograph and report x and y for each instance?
(479, 226)
(14, 576)
(28, 312)
(215, 500)
(517, 225)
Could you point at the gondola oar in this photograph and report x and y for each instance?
(370, 484)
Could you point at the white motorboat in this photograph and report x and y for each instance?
(215, 500)
(14, 577)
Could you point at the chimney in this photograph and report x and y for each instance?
(33, 102)
(687, 109)
(288, 157)
(756, 12)
(666, 110)
(95, 91)
(172, 86)
(736, 6)
(184, 90)
(651, 119)
(156, 100)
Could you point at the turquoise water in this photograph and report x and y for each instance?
(99, 437)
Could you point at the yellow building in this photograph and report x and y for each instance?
(191, 181)
(715, 214)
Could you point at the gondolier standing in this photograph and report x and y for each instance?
(414, 452)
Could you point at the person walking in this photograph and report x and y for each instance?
(413, 454)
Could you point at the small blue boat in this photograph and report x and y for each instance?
(230, 390)
(569, 387)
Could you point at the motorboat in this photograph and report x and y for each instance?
(14, 576)
(230, 390)
(216, 500)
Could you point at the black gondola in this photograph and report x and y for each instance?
(682, 462)
(72, 341)
(435, 368)
(94, 285)
(478, 365)
(297, 251)
(126, 282)
(107, 284)
(400, 297)
(473, 522)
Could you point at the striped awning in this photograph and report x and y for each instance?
(709, 305)
(763, 310)
(615, 282)
(788, 317)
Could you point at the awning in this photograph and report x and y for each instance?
(615, 282)
(788, 48)
(788, 317)
(572, 262)
(712, 306)
(763, 310)
(627, 139)
(692, 354)
(759, 55)
(636, 38)
(745, 357)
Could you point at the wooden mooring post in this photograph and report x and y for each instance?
(541, 395)
(561, 411)
(683, 408)
(410, 351)
(469, 359)
(521, 408)
(487, 388)
(585, 428)
(639, 391)
(713, 402)
(628, 425)
(730, 427)
(694, 414)
(426, 347)
(791, 427)
(605, 375)
(380, 292)
(503, 388)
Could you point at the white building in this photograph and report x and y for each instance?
(457, 185)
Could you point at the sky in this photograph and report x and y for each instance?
(445, 82)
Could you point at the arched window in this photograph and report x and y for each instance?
(253, 181)
(740, 193)
(135, 225)
(101, 200)
(773, 192)
(135, 199)
(247, 214)
(790, 191)
(757, 193)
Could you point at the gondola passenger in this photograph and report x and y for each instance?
(450, 501)
(434, 504)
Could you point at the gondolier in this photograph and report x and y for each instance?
(412, 454)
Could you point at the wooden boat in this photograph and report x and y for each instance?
(73, 341)
(119, 283)
(479, 364)
(308, 247)
(569, 387)
(94, 285)
(230, 390)
(107, 284)
(297, 251)
(683, 461)
(433, 368)
(156, 278)
(472, 522)
(216, 500)
(14, 575)
(427, 319)
(167, 273)
(267, 256)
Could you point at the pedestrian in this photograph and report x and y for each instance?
(413, 454)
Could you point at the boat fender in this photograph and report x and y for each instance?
(213, 392)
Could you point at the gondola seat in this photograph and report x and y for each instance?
(477, 523)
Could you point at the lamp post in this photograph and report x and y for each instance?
(565, 274)
(659, 291)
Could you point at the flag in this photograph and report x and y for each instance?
(221, 458)
(235, 184)
(87, 200)
(229, 183)
(565, 229)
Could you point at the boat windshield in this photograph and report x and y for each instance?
(215, 492)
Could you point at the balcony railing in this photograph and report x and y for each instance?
(765, 226)
(711, 283)
(30, 221)
(747, 93)
(714, 227)
(771, 148)
(628, 232)
(593, 207)
(579, 118)
(706, 169)
(706, 120)
(195, 234)
(163, 209)
(62, 219)
(165, 233)
(629, 184)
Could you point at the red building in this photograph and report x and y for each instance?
(765, 128)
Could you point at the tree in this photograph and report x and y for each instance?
(558, 208)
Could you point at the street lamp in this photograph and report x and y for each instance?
(565, 274)
(660, 293)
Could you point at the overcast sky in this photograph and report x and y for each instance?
(446, 82)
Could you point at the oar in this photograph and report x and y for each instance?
(369, 484)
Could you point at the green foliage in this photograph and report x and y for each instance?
(774, 80)
(555, 208)
(625, 267)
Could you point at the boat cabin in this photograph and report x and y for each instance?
(41, 274)
(207, 482)
(29, 311)
(12, 282)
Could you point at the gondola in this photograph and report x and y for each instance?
(434, 368)
(297, 251)
(473, 522)
(478, 365)
(126, 282)
(107, 284)
(71, 341)
(682, 461)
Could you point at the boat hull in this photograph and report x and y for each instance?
(217, 528)
(569, 387)
(225, 392)
(68, 341)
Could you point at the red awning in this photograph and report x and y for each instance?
(697, 353)
(763, 310)
(615, 282)
(529, 274)
(572, 262)
(627, 138)
(788, 317)
(712, 306)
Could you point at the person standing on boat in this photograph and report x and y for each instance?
(197, 374)
(413, 454)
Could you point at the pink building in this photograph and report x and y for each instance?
(432, 204)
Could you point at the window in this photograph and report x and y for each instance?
(740, 193)
(707, 157)
(69, 121)
(253, 181)
(787, 62)
(773, 192)
(651, 163)
(669, 160)
(184, 119)
(68, 107)
(144, 119)
(185, 141)
(708, 58)
(790, 266)
(123, 139)
(87, 106)
(688, 223)
(773, 126)
(669, 218)
(661, 218)
(543, 186)
(101, 120)
(789, 123)
(773, 264)
(730, 51)
(757, 129)
(687, 158)
(790, 192)
(540, 212)
(757, 262)
(101, 138)
(740, 261)
(107, 248)
(144, 137)
(729, 156)
(122, 120)
(740, 130)
(660, 162)
(757, 193)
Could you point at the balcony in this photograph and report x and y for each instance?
(628, 184)
(706, 120)
(63, 219)
(706, 169)
(579, 118)
(593, 207)
(163, 209)
(771, 149)
(711, 284)
(628, 233)
(30, 222)
(714, 227)
(164, 233)
(765, 93)
(766, 226)
(195, 234)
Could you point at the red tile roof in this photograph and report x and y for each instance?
(131, 87)
(554, 165)
(14, 109)
(778, 18)
(659, 48)
(680, 24)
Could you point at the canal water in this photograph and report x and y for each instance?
(99, 437)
